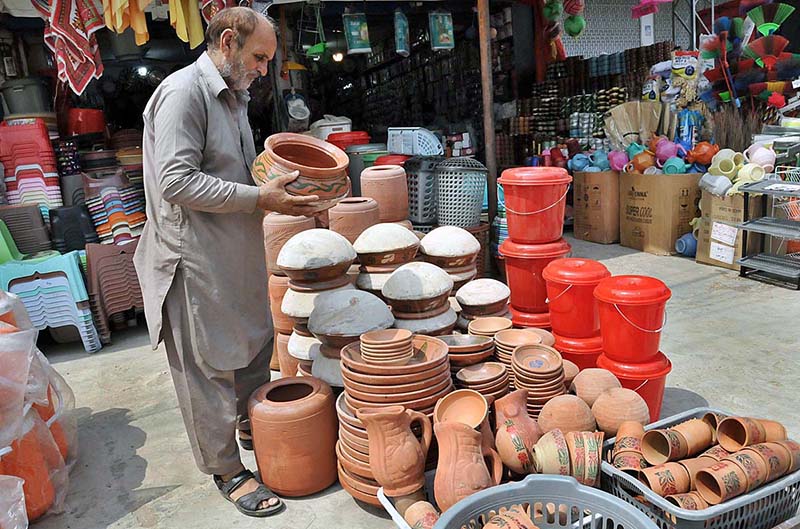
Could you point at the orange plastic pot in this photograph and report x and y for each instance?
(648, 379)
(583, 352)
(526, 320)
(535, 199)
(570, 291)
(525, 264)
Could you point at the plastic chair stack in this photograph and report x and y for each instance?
(72, 189)
(72, 228)
(114, 288)
(116, 207)
(27, 227)
(51, 287)
(27, 156)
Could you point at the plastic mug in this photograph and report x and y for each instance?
(724, 167)
(675, 165)
(593, 169)
(633, 149)
(617, 160)
(653, 170)
(750, 172)
(579, 162)
(760, 155)
(600, 159)
(686, 245)
(728, 154)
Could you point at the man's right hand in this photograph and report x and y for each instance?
(272, 196)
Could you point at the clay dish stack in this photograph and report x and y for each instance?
(507, 341)
(389, 347)
(453, 249)
(489, 326)
(481, 298)
(539, 369)
(466, 350)
(382, 249)
(490, 379)
(418, 295)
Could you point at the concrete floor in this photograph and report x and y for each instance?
(732, 343)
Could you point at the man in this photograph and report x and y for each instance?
(201, 260)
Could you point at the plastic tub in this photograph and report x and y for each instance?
(329, 125)
(343, 140)
(535, 199)
(356, 155)
(26, 96)
(570, 292)
(583, 352)
(648, 379)
(524, 266)
(632, 316)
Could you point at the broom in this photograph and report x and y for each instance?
(767, 50)
(768, 18)
(748, 5)
(788, 68)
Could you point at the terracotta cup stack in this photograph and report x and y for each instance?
(573, 309)
(382, 249)
(508, 340)
(490, 379)
(465, 350)
(539, 369)
(453, 249)
(418, 295)
(576, 454)
(388, 347)
(482, 298)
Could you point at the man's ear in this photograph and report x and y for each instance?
(227, 40)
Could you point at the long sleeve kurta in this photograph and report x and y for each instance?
(202, 215)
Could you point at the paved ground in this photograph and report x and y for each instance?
(732, 341)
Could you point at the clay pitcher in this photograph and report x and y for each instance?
(517, 433)
(462, 468)
(396, 457)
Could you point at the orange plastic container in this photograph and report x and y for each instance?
(570, 292)
(535, 199)
(524, 266)
(28, 460)
(583, 352)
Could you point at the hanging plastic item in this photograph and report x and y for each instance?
(356, 33)
(298, 112)
(12, 501)
(402, 40)
(441, 29)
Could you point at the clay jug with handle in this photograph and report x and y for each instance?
(396, 457)
(517, 433)
(462, 468)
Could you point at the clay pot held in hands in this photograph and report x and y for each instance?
(353, 215)
(517, 433)
(691, 501)
(617, 405)
(735, 433)
(388, 186)
(278, 229)
(661, 446)
(396, 457)
(568, 413)
(698, 435)
(667, 479)
(721, 482)
(590, 383)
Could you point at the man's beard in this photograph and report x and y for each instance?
(235, 73)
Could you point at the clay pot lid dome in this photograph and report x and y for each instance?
(414, 281)
(385, 237)
(315, 248)
(442, 321)
(349, 313)
(449, 241)
(483, 291)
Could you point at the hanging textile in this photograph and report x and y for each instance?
(184, 15)
(209, 8)
(122, 14)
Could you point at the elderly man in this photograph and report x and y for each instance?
(200, 260)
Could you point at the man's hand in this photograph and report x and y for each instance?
(272, 196)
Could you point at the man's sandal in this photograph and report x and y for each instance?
(249, 503)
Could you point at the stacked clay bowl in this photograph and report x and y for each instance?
(453, 249)
(490, 379)
(465, 350)
(481, 298)
(489, 326)
(507, 341)
(382, 249)
(418, 294)
(390, 347)
(539, 369)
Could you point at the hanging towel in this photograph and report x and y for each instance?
(184, 15)
(122, 14)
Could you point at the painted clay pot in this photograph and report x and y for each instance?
(294, 427)
(691, 501)
(551, 454)
(698, 435)
(777, 458)
(421, 515)
(568, 413)
(721, 482)
(278, 285)
(395, 455)
(278, 229)
(716, 452)
(593, 442)
(512, 518)
(617, 405)
(793, 447)
(695, 465)
(462, 469)
(388, 186)
(629, 461)
(322, 165)
(753, 465)
(629, 437)
(713, 419)
(667, 479)
(450, 247)
(735, 433)
(590, 383)
(661, 446)
(577, 455)
(517, 433)
(351, 216)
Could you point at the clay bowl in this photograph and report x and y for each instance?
(358, 433)
(392, 362)
(428, 352)
(547, 337)
(490, 309)
(354, 441)
(370, 354)
(427, 382)
(421, 315)
(538, 360)
(552, 454)
(510, 339)
(465, 343)
(388, 359)
(417, 305)
(464, 405)
(497, 394)
(489, 326)
(544, 381)
(481, 374)
(469, 316)
(464, 360)
(347, 416)
(422, 404)
(390, 398)
(490, 387)
(388, 338)
(393, 380)
(389, 258)
(354, 453)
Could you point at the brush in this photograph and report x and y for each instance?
(742, 80)
(767, 50)
(722, 26)
(768, 18)
(788, 68)
(748, 5)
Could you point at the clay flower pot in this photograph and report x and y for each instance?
(351, 216)
(590, 383)
(517, 433)
(385, 245)
(567, 413)
(693, 466)
(316, 255)
(421, 515)
(617, 405)
(661, 446)
(577, 455)
(735, 433)
(690, 501)
(753, 465)
(776, 456)
(464, 405)
(278, 229)
(417, 287)
(721, 482)
(514, 517)
(629, 437)
(698, 434)
(667, 479)
(551, 454)
(450, 247)
(388, 186)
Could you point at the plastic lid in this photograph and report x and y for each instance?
(575, 271)
(392, 159)
(370, 157)
(659, 367)
(558, 248)
(348, 136)
(535, 176)
(632, 290)
(366, 147)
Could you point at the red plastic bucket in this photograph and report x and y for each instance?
(583, 352)
(343, 140)
(524, 320)
(647, 379)
(632, 316)
(570, 292)
(524, 266)
(535, 200)
(392, 159)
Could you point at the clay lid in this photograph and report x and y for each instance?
(538, 359)
(558, 248)
(513, 338)
(481, 373)
(385, 237)
(632, 290)
(348, 313)
(423, 326)
(415, 281)
(466, 343)
(481, 292)
(575, 271)
(449, 241)
(534, 176)
(316, 248)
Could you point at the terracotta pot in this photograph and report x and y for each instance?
(617, 405)
(278, 285)
(593, 442)
(551, 454)
(667, 479)
(716, 452)
(351, 216)
(590, 383)
(693, 466)
(698, 435)
(577, 455)
(735, 433)
(629, 437)
(691, 501)
(288, 364)
(294, 426)
(568, 413)
(517, 433)
(631, 461)
(315, 256)
(713, 419)
(661, 446)
(462, 469)
(421, 515)
(450, 247)
(570, 372)
(388, 186)
(464, 405)
(396, 457)
(794, 449)
(776, 456)
(720, 482)
(511, 518)
(753, 465)
(278, 229)
(483, 297)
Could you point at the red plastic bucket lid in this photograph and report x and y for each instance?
(392, 159)
(534, 176)
(632, 290)
(558, 248)
(356, 136)
(660, 366)
(575, 271)
(579, 345)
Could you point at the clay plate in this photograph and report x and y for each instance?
(352, 465)
(480, 374)
(466, 343)
(428, 352)
(390, 397)
(349, 483)
(538, 359)
(393, 388)
(464, 360)
(489, 387)
(489, 326)
(510, 339)
(352, 453)
(386, 338)
(354, 443)
(413, 404)
(393, 380)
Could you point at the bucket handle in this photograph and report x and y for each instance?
(640, 328)
(643, 384)
(548, 300)
(554, 204)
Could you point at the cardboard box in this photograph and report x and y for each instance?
(656, 209)
(719, 243)
(596, 206)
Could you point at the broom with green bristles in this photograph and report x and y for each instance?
(768, 18)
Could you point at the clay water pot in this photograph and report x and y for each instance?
(388, 186)
(721, 482)
(568, 413)
(551, 454)
(462, 468)
(695, 465)
(278, 229)
(617, 405)
(278, 285)
(396, 457)
(666, 479)
(316, 255)
(753, 465)
(691, 501)
(777, 458)
(383, 247)
(464, 405)
(517, 433)
(698, 434)
(353, 215)
(421, 515)
(483, 297)
(417, 287)
(629, 437)
(661, 446)
(590, 383)
(735, 433)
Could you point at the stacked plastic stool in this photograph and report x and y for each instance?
(27, 156)
(114, 289)
(116, 207)
(72, 228)
(27, 227)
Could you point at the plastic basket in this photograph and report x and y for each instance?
(579, 506)
(423, 196)
(763, 508)
(461, 185)
(414, 141)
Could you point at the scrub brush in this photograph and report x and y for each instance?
(768, 18)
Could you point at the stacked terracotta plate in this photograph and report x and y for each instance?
(390, 347)
(539, 369)
(490, 379)
(489, 326)
(352, 453)
(507, 341)
(465, 350)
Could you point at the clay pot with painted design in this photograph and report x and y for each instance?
(517, 433)
(735, 433)
(753, 465)
(777, 458)
(698, 434)
(666, 479)
(662, 446)
(629, 437)
(691, 501)
(695, 465)
(721, 482)
(387, 184)
(351, 216)
(421, 515)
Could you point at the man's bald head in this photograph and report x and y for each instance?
(242, 21)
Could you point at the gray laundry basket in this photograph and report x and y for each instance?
(423, 193)
(461, 182)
